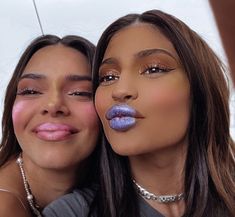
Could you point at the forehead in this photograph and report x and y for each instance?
(58, 58)
(137, 37)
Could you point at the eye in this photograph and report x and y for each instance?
(82, 94)
(108, 79)
(28, 91)
(153, 69)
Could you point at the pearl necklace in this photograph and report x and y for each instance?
(30, 198)
(161, 198)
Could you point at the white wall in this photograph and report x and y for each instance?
(88, 18)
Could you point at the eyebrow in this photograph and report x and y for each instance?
(68, 77)
(149, 52)
(32, 76)
(141, 54)
(78, 78)
(108, 61)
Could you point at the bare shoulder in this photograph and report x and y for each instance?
(11, 205)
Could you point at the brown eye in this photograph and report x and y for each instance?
(107, 79)
(151, 69)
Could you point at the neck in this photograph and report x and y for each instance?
(48, 184)
(161, 172)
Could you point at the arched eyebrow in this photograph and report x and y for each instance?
(109, 61)
(142, 54)
(149, 52)
(75, 77)
(71, 77)
(34, 76)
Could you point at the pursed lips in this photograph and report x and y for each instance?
(122, 117)
(54, 131)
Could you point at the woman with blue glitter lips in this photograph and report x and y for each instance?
(163, 101)
(121, 117)
(162, 98)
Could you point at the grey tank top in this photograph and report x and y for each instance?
(75, 205)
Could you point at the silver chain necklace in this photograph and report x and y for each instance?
(30, 198)
(160, 198)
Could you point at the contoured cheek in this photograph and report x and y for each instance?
(170, 101)
(168, 109)
(170, 96)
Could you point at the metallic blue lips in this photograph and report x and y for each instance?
(121, 117)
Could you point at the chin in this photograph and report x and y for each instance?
(57, 165)
(125, 150)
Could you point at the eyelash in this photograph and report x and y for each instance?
(28, 91)
(108, 78)
(81, 94)
(31, 91)
(157, 69)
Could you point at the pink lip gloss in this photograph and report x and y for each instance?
(54, 132)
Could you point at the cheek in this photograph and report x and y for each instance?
(172, 92)
(171, 102)
(87, 113)
(18, 110)
(101, 104)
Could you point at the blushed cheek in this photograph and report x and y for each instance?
(172, 102)
(18, 110)
(89, 114)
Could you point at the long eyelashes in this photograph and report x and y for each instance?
(108, 79)
(28, 91)
(151, 70)
(33, 92)
(155, 68)
(80, 94)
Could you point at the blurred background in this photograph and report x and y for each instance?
(88, 18)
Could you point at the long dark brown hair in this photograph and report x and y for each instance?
(9, 144)
(210, 167)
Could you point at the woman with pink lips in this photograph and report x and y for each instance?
(50, 126)
(162, 98)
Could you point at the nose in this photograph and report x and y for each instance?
(124, 90)
(55, 106)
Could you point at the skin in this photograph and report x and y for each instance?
(55, 88)
(54, 100)
(156, 86)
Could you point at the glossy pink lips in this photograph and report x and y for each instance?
(54, 132)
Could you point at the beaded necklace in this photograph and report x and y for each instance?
(30, 198)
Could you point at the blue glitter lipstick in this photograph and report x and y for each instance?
(121, 117)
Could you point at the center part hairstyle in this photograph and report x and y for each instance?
(209, 180)
(9, 144)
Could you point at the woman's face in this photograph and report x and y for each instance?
(143, 98)
(53, 115)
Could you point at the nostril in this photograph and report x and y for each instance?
(128, 96)
(60, 112)
(56, 110)
(44, 112)
(123, 96)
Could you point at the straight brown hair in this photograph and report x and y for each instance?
(210, 167)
